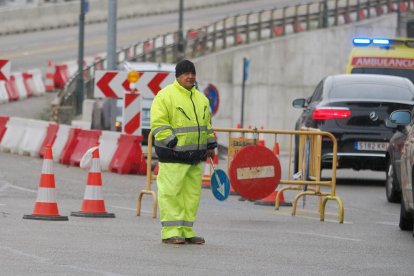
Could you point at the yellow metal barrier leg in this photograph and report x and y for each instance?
(295, 200)
(280, 192)
(154, 204)
(340, 207)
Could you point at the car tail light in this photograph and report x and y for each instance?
(331, 113)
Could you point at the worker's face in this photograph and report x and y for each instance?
(187, 80)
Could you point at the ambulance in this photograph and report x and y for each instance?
(385, 56)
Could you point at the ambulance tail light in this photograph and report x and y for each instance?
(328, 113)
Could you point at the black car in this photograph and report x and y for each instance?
(354, 109)
(393, 160)
(405, 118)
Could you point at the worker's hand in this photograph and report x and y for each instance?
(211, 153)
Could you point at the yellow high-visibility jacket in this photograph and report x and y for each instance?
(181, 125)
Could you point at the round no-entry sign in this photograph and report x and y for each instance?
(254, 172)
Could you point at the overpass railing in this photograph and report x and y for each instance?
(229, 32)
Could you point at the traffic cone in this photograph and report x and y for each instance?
(46, 207)
(50, 75)
(93, 204)
(270, 200)
(261, 141)
(276, 149)
(208, 170)
(205, 183)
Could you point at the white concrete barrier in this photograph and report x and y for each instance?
(21, 89)
(16, 128)
(33, 138)
(81, 124)
(60, 141)
(38, 85)
(108, 143)
(4, 96)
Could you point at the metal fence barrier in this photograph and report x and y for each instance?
(307, 180)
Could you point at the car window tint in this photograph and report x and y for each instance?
(317, 94)
(371, 91)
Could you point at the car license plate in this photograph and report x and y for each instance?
(372, 146)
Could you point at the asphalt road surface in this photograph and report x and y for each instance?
(242, 238)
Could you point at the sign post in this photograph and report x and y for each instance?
(246, 63)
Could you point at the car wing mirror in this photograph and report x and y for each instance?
(400, 117)
(299, 103)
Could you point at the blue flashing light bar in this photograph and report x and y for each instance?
(381, 41)
(360, 41)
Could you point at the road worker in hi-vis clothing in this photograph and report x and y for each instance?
(181, 125)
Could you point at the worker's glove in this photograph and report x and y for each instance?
(172, 143)
(211, 153)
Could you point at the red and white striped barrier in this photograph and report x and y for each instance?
(108, 143)
(4, 96)
(34, 135)
(60, 141)
(21, 87)
(28, 136)
(15, 129)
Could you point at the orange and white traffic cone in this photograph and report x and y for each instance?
(261, 141)
(50, 77)
(93, 204)
(271, 199)
(205, 183)
(46, 207)
(208, 170)
(276, 149)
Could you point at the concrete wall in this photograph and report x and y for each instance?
(48, 16)
(281, 70)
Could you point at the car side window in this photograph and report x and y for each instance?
(317, 94)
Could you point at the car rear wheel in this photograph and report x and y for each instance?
(406, 219)
(391, 184)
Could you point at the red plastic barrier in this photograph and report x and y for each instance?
(61, 75)
(278, 30)
(85, 140)
(69, 146)
(128, 157)
(26, 79)
(12, 89)
(51, 133)
(3, 128)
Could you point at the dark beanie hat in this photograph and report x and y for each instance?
(184, 66)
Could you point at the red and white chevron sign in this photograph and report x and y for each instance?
(132, 114)
(4, 69)
(114, 84)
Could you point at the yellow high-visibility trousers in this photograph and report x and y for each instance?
(179, 192)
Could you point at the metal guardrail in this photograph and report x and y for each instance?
(309, 169)
(230, 32)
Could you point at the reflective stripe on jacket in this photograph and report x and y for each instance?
(181, 125)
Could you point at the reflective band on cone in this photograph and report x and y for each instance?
(93, 204)
(49, 79)
(46, 207)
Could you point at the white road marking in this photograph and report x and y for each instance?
(130, 209)
(44, 260)
(387, 223)
(327, 236)
(9, 185)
